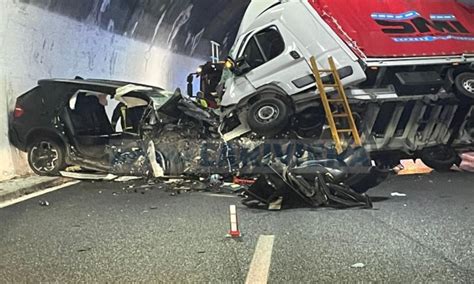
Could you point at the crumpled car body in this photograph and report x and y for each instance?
(95, 124)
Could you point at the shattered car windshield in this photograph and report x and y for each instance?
(160, 97)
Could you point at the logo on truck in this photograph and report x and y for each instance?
(446, 25)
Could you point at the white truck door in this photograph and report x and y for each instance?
(271, 55)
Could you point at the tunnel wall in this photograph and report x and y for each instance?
(46, 41)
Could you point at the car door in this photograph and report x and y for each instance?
(273, 56)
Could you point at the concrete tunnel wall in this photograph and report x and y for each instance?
(153, 42)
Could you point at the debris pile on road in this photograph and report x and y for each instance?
(339, 183)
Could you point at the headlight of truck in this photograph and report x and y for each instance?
(229, 64)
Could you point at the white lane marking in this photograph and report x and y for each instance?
(220, 195)
(36, 194)
(260, 265)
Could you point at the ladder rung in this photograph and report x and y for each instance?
(340, 115)
(331, 85)
(335, 100)
(325, 70)
(345, 131)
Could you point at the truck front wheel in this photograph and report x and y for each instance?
(268, 116)
(464, 83)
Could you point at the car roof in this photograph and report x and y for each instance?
(100, 85)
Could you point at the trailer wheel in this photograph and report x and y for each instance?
(440, 158)
(464, 83)
(268, 116)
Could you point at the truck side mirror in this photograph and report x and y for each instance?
(241, 66)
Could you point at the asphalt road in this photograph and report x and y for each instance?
(98, 232)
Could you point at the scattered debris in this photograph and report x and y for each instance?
(73, 169)
(127, 178)
(467, 163)
(241, 181)
(156, 168)
(398, 194)
(358, 265)
(84, 249)
(88, 176)
(216, 180)
(417, 167)
(276, 205)
(43, 203)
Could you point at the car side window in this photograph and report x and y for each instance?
(263, 47)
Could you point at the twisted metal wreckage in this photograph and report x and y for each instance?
(180, 138)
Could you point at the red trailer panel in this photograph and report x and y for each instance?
(401, 28)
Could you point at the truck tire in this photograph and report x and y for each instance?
(268, 116)
(464, 84)
(46, 157)
(440, 158)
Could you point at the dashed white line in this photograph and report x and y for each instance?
(260, 265)
(36, 194)
(220, 195)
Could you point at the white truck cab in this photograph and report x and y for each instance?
(273, 50)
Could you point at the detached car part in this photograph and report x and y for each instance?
(315, 182)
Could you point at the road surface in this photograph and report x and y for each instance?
(100, 232)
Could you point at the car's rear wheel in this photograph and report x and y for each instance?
(464, 83)
(268, 116)
(46, 157)
(440, 158)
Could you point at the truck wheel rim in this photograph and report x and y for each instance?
(267, 113)
(469, 85)
(44, 157)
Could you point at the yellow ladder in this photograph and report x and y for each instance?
(340, 99)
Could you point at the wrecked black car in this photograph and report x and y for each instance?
(94, 124)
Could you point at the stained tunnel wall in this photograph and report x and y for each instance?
(153, 42)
